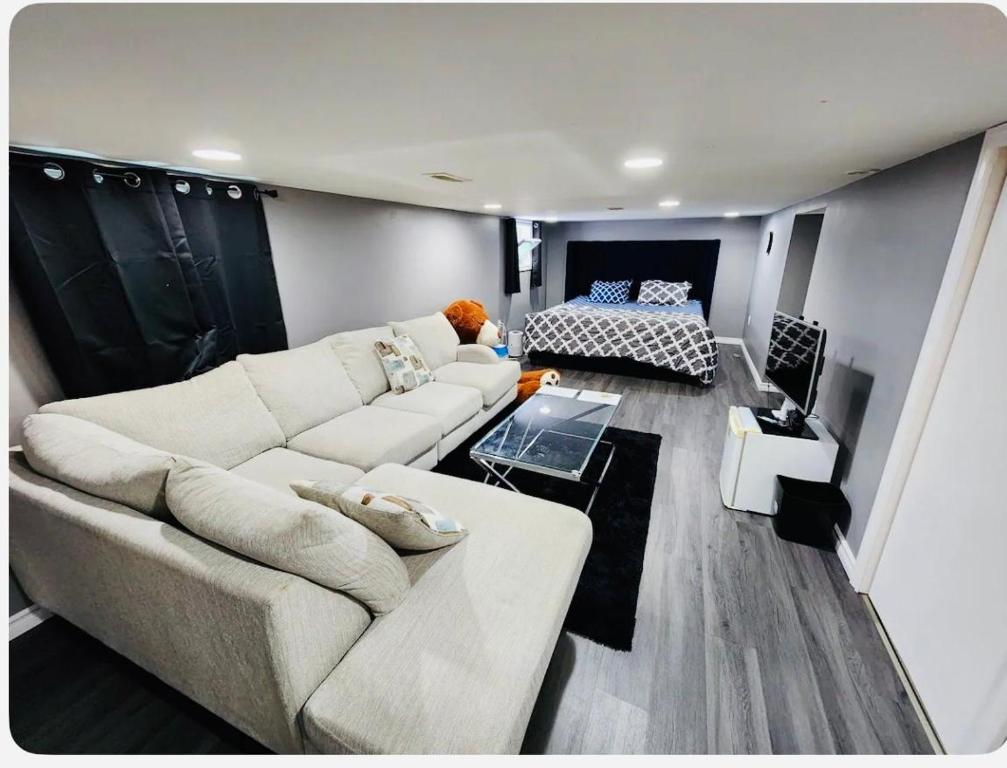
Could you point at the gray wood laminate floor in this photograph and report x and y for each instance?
(744, 643)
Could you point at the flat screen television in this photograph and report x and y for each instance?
(796, 355)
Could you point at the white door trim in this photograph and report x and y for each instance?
(980, 204)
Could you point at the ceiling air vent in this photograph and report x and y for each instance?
(616, 208)
(863, 172)
(445, 176)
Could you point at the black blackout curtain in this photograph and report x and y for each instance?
(512, 270)
(135, 277)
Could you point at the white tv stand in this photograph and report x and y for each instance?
(755, 452)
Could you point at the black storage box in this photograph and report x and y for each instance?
(807, 512)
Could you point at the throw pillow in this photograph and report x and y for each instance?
(434, 336)
(404, 365)
(287, 533)
(402, 522)
(614, 292)
(662, 292)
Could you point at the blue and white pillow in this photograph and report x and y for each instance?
(615, 292)
(662, 292)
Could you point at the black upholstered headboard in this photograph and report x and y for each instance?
(672, 260)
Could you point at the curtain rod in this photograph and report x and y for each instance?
(125, 165)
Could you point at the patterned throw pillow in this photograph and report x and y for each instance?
(614, 292)
(402, 522)
(661, 292)
(404, 365)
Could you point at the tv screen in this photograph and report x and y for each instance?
(796, 351)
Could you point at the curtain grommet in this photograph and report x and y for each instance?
(54, 171)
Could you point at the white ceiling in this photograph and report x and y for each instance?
(751, 107)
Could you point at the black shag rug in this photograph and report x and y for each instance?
(604, 606)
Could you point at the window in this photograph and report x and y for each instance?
(526, 243)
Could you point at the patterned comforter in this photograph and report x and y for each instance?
(682, 343)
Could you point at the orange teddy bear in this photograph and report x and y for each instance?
(469, 319)
(531, 381)
(467, 316)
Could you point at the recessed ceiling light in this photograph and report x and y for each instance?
(492, 206)
(669, 203)
(731, 215)
(216, 154)
(643, 162)
(551, 220)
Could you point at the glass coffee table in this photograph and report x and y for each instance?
(555, 432)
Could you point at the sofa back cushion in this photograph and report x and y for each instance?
(98, 461)
(216, 417)
(356, 351)
(287, 533)
(435, 337)
(302, 387)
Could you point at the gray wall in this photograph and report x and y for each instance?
(348, 262)
(884, 244)
(800, 260)
(738, 241)
(17, 599)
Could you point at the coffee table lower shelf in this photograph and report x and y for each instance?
(500, 476)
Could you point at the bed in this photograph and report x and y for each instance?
(655, 341)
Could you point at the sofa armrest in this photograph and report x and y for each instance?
(476, 353)
(248, 642)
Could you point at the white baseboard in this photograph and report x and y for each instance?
(762, 386)
(846, 556)
(907, 683)
(29, 618)
(727, 340)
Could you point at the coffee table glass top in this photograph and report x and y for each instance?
(554, 432)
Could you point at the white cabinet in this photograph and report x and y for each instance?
(754, 456)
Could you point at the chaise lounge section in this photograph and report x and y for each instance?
(297, 665)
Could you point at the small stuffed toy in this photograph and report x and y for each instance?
(531, 381)
(469, 319)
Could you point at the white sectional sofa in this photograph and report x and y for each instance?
(456, 667)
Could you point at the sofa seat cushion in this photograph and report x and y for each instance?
(287, 533)
(456, 668)
(215, 417)
(370, 436)
(302, 387)
(280, 467)
(450, 405)
(434, 335)
(356, 350)
(493, 380)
